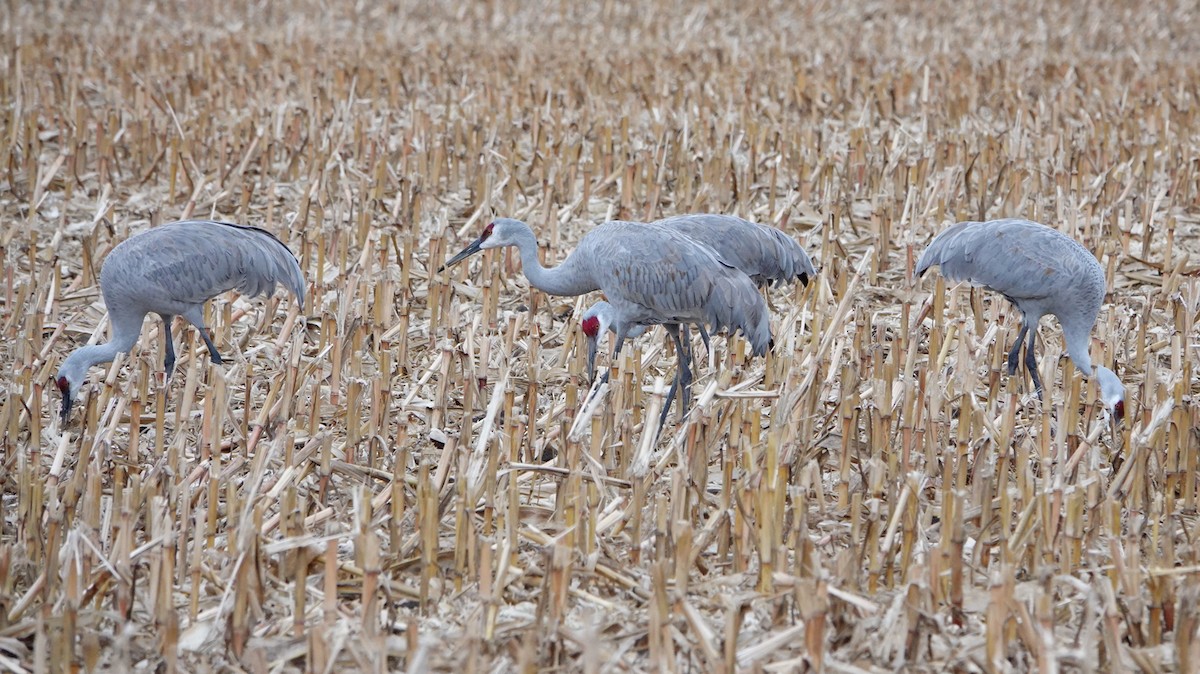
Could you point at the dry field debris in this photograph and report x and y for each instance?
(403, 476)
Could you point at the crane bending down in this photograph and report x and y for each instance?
(652, 274)
(1041, 271)
(171, 270)
(602, 317)
(764, 253)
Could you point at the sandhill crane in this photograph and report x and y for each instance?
(653, 275)
(765, 254)
(173, 270)
(1041, 271)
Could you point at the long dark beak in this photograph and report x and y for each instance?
(591, 348)
(463, 254)
(65, 414)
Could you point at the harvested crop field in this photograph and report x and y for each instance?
(403, 475)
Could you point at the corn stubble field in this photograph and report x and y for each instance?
(404, 475)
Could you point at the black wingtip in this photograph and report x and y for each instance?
(803, 279)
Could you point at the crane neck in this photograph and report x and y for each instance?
(1112, 391)
(570, 278)
(88, 355)
(1078, 345)
(125, 335)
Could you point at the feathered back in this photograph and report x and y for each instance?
(170, 267)
(653, 274)
(764, 253)
(956, 250)
(1037, 267)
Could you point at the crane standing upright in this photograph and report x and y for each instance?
(653, 275)
(172, 270)
(1041, 271)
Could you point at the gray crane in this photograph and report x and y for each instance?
(172, 270)
(651, 274)
(1041, 271)
(764, 253)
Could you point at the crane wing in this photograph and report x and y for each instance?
(188, 262)
(1018, 258)
(756, 249)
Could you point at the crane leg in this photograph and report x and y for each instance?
(683, 348)
(686, 336)
(196, 318)
(1031, 364)
(169, 365)
(212, 348)
(1015, 354)
(662, 417)
(620, 341)
(682, 379)
(684, 376)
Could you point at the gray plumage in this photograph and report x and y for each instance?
(763, 253)
(173, 270)
(1041, 271)
(651, 274)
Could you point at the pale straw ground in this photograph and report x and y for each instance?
(403, 475)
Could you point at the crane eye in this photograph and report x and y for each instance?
(63, 385)
(487, 231)
(1119, 410)
(591, 326)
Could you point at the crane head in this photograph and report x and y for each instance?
(594, 322)
(64, 387)
(69, 380)
(599, 318)
(474, 247)
(591, 326)
(498, 233)
(1112, 393)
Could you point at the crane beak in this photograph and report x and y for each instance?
(463, 254)
(64, 387)
(591, 349)
(65, 414)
